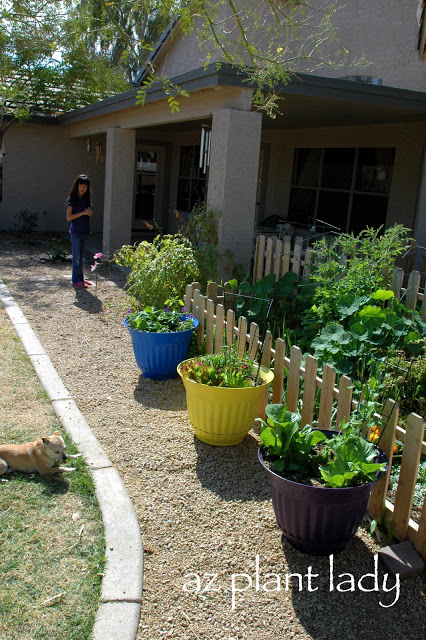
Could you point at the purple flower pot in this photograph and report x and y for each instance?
(158, 354)
(318, 520)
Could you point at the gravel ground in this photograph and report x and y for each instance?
(205, 513)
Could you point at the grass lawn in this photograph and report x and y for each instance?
(51, 532)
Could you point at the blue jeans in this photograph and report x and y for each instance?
(78, 245)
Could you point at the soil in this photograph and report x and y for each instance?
(216, 566)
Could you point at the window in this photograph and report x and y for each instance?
(192, 182)
(344, 188)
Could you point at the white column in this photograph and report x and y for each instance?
(119, 187)
(233, 175)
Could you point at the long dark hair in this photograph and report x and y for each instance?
(81, 179)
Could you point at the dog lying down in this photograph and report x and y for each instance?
(43, 455)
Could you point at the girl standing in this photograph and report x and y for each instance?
(79, 213)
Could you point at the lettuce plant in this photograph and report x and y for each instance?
(344, 460)
(225, 369)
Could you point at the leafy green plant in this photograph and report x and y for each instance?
(58, 252)
(350, 459)
(285, 299)
(290, 445)
(405, 382)
(369, 330)
(352, 265)
(159, 320)
(346, 459)
(159, 272)
(224, 369)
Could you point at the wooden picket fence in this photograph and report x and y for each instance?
(278, 256)
(412, 292)
(219, 328)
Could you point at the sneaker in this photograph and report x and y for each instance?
(88, 283)
(80, 285)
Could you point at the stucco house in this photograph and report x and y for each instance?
(349, 149)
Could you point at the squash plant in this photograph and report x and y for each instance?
(368, 328)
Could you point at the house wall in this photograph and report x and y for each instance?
(40, 164)
(38, 169)
(383, 32)
(407, 139)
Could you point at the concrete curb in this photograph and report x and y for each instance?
(121, 595)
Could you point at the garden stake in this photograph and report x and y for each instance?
(263, 338)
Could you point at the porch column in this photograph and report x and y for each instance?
(119, 187)
(233, 175)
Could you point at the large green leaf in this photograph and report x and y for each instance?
(349, 304)
(415, 343)
(287, 284)
(279, 414)
(372, 317)
(383, 294)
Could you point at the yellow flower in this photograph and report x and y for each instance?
(374, 434)
(279, 49)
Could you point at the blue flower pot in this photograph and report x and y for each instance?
(158, 354)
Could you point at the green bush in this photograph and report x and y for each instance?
(26, 222)
(352, 266)
(159, 272)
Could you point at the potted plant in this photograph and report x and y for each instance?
(158, 273)
(223, 394)
(320, 479)
(160, 339)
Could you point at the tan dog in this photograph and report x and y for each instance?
(43, 456)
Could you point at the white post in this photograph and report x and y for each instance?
(234, 162)
(119, 187)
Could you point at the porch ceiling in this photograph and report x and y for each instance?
(306, 112)
(302, 112)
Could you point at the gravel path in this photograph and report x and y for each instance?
(203, 511)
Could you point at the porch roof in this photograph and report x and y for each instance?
(308, 100)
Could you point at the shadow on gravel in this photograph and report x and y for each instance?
(87, 301)
(164, 395)
(233, 473)
(345, 603)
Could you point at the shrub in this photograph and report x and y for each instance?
(353, 266)
(159, 272)
(26, 221)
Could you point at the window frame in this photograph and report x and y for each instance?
(352, 191)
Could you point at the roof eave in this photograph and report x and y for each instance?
(225, 75)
